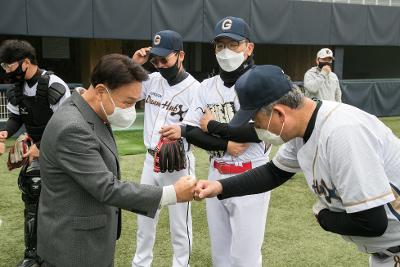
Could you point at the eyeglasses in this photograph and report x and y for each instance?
(7, 66)
(231, 45)
(162, 60)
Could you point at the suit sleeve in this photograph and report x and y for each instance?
(78, 154)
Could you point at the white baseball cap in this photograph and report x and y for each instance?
(325, 52)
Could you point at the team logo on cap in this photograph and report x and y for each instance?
(328, 52)
(157, 39)
(226, 24)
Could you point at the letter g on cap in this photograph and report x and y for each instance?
(157, 39)
(227, 24)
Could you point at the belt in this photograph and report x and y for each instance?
(383, 255)
(152, 152)
(226, 168)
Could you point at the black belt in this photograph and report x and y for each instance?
(151, 152)
(383, 255)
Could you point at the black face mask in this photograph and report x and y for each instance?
(170, 73)
(18, 74)
(230, 78)
(322, 64)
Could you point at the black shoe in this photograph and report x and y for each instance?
(27, 262)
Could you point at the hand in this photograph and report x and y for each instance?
(327, 69)
(172, 132)
(317, 207)
(184, 189)
(236, 149)
(33, 153)
(3, 136)
(207, 117)
(207, 189)
(141, 56)
(2, 148)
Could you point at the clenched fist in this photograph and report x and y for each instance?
(207, 189)
(184, 189)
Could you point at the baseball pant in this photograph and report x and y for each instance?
(237, 226)
(391, 261)
(180, 219)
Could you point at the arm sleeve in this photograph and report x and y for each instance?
(197, 137)
(13, 124)
(371, 223)
(241, 134)
(78, 154)
(258, 180)
(313, 82)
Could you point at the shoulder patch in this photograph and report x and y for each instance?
(56, 92)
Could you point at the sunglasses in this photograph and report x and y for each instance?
(7, 66)
(162, 60)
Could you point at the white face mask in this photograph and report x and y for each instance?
(268, 137)
(229, 60)
(121, 117)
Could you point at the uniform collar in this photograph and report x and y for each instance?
(311, 123)
(35, 78)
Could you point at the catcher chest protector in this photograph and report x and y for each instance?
(29, 182)
(35, 110)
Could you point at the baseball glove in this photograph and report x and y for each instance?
(170, 155)
(20, 147)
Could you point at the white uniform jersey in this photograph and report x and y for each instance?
(352, 163)
(165, 105)
(223, 103)
(31, 91)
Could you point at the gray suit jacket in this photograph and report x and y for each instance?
(79, 216)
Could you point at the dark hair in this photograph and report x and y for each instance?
(16, 50)
(115, 70)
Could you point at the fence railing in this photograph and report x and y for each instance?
(3, 106)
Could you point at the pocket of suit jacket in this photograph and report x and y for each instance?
(86, 223)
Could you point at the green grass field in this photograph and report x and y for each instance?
(292, 238)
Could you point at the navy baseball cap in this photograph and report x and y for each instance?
(259, 86)
(233, 28)
(166, 42)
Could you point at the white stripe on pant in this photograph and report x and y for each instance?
(179, 227)
(237, 226)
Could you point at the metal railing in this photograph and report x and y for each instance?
(361, 2)
(3, 104)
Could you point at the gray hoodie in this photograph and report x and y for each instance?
(321, 85)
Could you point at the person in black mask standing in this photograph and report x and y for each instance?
(320, 81)
(237, 225)
(33, 99)
(168, 94)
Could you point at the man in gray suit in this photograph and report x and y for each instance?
(79, 216)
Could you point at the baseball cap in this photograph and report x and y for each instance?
(259, 86)
(233, 28)
(166, 42)
(325, 52)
